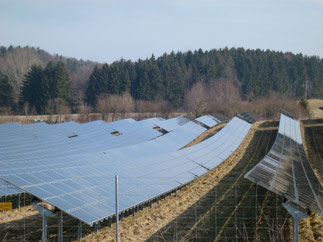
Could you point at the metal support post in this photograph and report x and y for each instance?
(79, 231)
(133, 212)
(97, 226)
(297, 213)
(60, 226)
(109, 222)
(19, 201)
(117, 208)
(44, 232)
(45, 213)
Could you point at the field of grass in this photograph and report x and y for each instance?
(316, 108)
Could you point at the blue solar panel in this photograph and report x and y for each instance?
(209, 120)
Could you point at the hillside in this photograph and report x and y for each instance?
(15, 62)
(214, 81)
(234, 73)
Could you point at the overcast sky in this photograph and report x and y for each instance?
(107, 30)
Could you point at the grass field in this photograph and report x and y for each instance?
(314, 106)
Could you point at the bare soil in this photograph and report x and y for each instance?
(314, 106)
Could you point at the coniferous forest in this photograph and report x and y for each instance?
(31, 79)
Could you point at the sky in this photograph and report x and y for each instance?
(108, 30)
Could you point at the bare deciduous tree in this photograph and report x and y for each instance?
(17, 63)
(84, 108)
(196, 100)
(108, 103)
(57, 106)
(224, 97)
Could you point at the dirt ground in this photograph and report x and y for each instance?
(314, 106)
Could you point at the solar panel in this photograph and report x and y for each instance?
(7, 189)
(26, 135)
(84, 188)
(209, 120)
(171, 124)
(90, 139)
(285, 170)
(249, 117)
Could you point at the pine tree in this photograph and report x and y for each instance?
(6, 91)
(35, 89)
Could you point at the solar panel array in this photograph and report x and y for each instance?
(38, 141)
(83, 186)
(285, 170)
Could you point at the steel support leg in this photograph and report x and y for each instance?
(117, 206)
(60, 226)
(44, 232)
(297, 213)
(79, 231)
(109, 222)
(97, 226)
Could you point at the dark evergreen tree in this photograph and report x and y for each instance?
(6, 91)
(35, 90)
(58, 80)
(40, 86)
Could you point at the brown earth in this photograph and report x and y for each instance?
(314, 107)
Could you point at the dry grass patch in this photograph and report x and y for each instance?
(314, 107)
(16, 214)
(208, 133)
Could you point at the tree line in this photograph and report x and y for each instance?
(254, 72)
(248, 74)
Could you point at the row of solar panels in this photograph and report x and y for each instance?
(286, 170)
(41, 143)
(83, 185)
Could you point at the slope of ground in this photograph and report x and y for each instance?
(316, 108)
